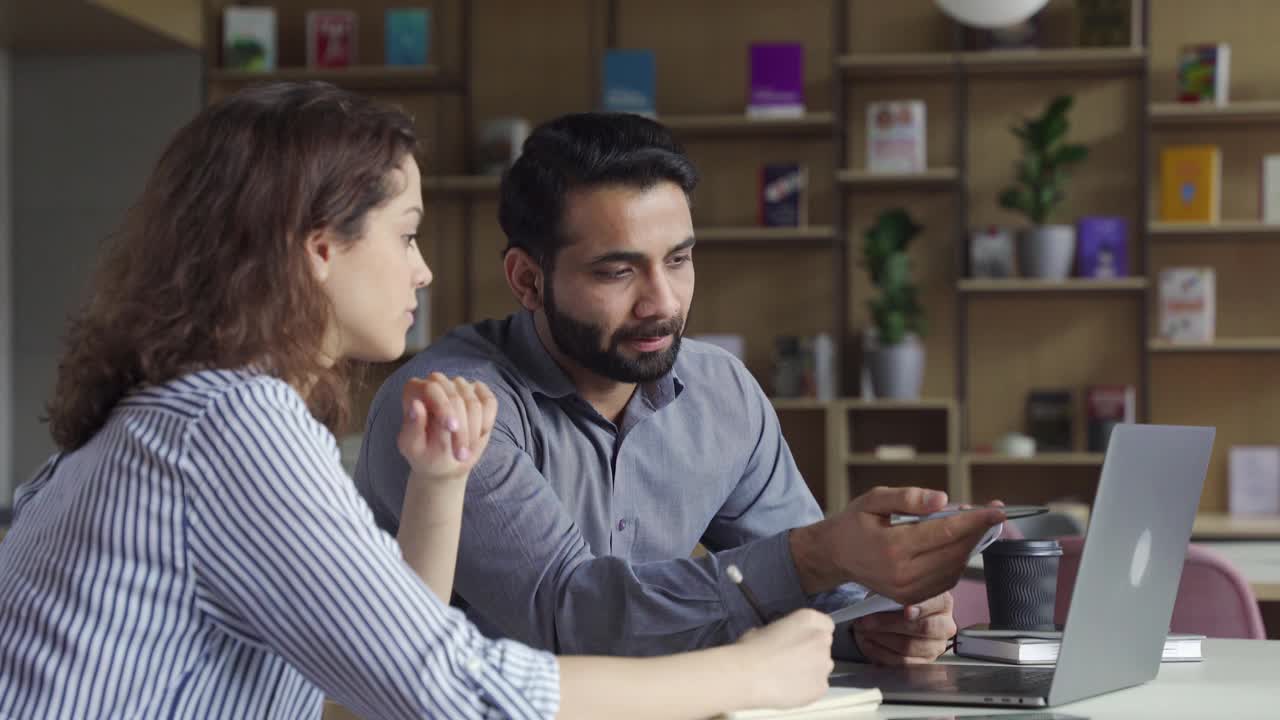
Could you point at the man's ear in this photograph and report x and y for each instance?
(320, 252)
(525, 278)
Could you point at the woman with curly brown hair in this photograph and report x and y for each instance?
(195, 549)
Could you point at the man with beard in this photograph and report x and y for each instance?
(618, 447)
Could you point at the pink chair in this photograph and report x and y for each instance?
(970, 594)
(1213, 598)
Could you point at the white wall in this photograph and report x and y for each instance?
(6, 298)
(86, 131)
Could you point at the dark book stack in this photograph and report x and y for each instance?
(1049, 419)
(1106, 407)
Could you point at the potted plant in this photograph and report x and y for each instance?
(1044, 250)
(896, 359)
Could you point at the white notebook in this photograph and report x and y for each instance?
(1044, 650)
(837, 703)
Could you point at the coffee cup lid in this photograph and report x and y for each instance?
(1024, 548)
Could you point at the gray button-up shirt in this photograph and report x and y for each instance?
(577, 533)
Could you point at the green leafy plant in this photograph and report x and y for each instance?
(1046, 157)
(897, 311)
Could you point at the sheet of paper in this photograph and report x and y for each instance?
(874, 603)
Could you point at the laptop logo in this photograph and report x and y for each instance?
(1141, 558)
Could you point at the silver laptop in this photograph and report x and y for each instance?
(1123, 600)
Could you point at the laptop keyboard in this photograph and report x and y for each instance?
(967, 679)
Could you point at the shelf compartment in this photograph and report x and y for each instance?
(982, 286)
(356, 77)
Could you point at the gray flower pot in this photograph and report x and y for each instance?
(1046, 252)
(897, 371)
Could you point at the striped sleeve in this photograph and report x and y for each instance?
(287, 556)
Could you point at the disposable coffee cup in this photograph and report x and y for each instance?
(1022, 582)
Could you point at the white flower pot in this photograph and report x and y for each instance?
(1047, 251)
(897, 371)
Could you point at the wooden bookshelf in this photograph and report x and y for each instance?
(1046, 459)
(1227, 229)
(799, 404)
(1014, 62)
(880, 65)
(920, 460)
(941, 177)
(803, 236)
(356, 77)
(1076, 61)
(1224, 526)
(1070, 285)
(1220, 345)
(814, 123)
(1191, 114)
(921, 404)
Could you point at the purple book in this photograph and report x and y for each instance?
(777, 80)
(1102, 247)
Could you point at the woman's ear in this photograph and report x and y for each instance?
(525, 278)
(320, 252)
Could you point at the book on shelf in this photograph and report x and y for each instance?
(408, 36)
(1102, 247)
(1253, 479)
(1029, 650)
(500, 143)
(777, 80)
(1104, 23)
(896, 136)
(1190, 183)
(1270, 189)
(249, 38)
(1204, 73)
(783, 200)
(1049, 419)
(1105, 407)
(991, 252)
(804, 367)
(1187, 304)
(331, 38)
(630, 82)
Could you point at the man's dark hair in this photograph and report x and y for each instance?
(580, 151)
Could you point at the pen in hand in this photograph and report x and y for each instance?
(735, 575)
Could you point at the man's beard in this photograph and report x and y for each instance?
(583, 342)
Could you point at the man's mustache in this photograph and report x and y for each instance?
(652, 330)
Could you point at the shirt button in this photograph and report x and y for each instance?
(474, 664)
(622, 525)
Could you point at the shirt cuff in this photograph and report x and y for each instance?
(769, 571)
(517, 681)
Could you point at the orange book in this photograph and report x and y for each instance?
(1190, 183)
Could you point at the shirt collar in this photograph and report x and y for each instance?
(546, 378)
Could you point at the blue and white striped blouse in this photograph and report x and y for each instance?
(204, 555)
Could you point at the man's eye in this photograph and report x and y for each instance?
(616, 274)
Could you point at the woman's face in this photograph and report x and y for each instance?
(371, 283)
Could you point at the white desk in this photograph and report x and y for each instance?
(1238, 679)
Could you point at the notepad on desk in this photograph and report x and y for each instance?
(1044, 650)
(837, 703)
